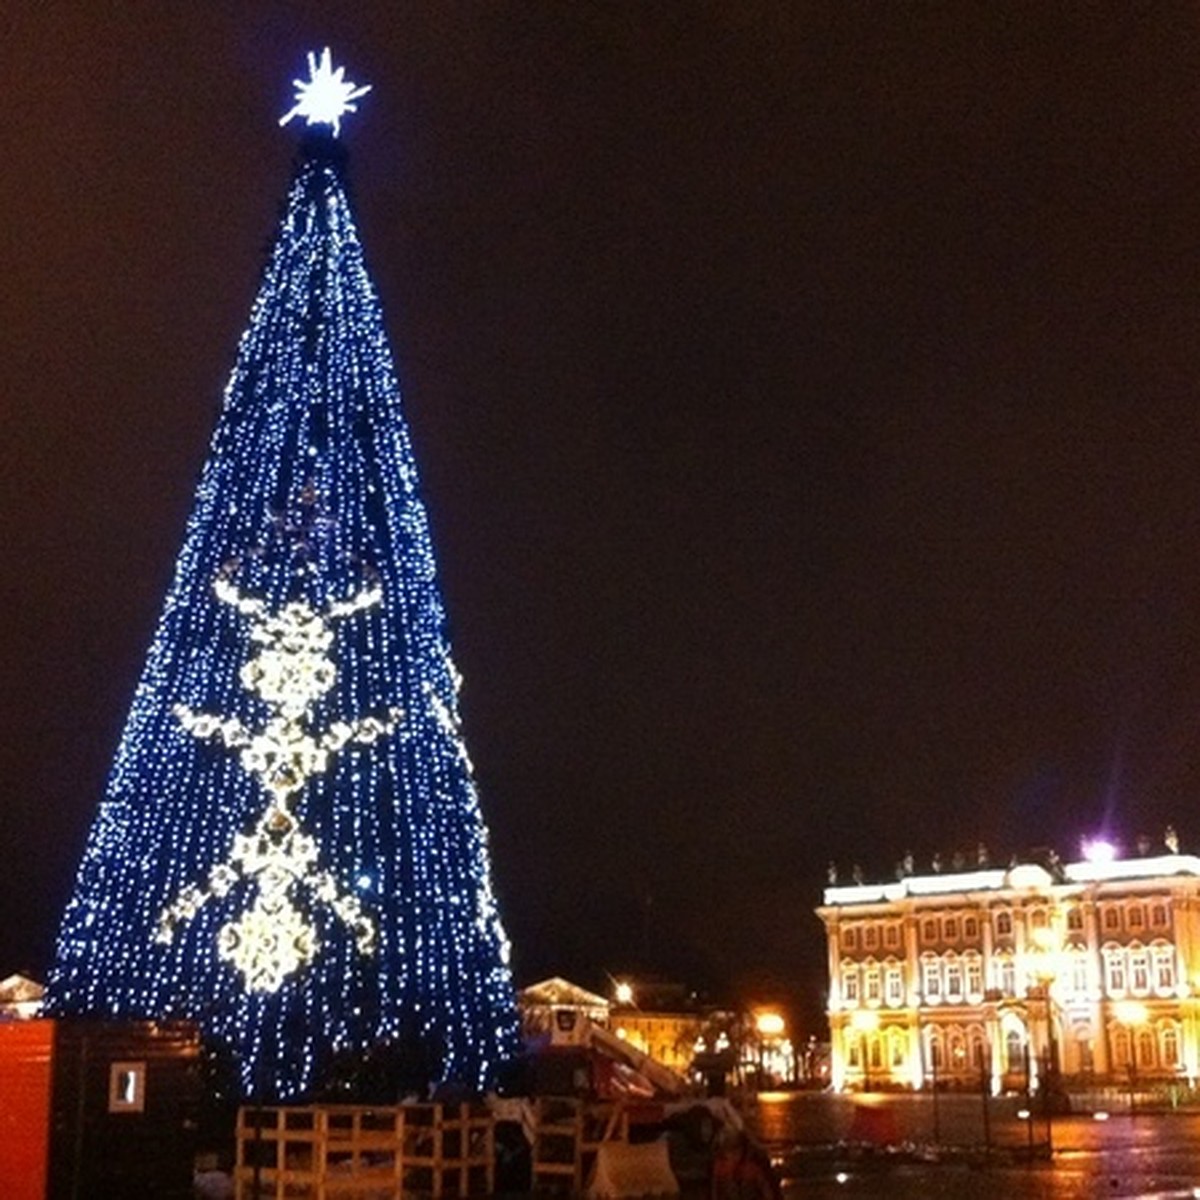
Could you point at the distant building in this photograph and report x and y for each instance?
(1084, 970)
(20, 998)
(662, 1021)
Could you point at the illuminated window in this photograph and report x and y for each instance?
(850, 983)
(1158, 916)
(1136, 916)
(871, 937)
(1139, 972)
(1014, 1051)
(970, 928)
(1169, 1042)
(850, 938)
(930, 930)
(954, 978)
(1112, 917)
(1145, 1048)
(892, 935)
(872, 986)
(950, 929)
(1037, 919)
(1164, 968)
(974, 968)
(1074, 919)
(127, 1087)
(1008, 977)
(1114, 970)
(894, 985)
(1004, 923)
(896, 1041)
(931, 978)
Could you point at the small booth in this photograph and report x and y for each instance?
(97, 1109)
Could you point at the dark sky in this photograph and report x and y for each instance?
(807, 398)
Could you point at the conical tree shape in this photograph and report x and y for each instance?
(290, 849)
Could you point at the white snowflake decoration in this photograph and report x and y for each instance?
(290, 671)
(325, 96)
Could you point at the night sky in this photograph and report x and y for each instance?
(807, 399)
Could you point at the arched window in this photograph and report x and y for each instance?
(1014, 1051)
(1168, 1041)
(893, 985)
(1074, 918)
(1139, 970)
(1005, 975)
(1114, 970)
(931, 978)
(979, 1049)
(936, 1058)
(952, 973)
(899, 1045)
(872, 983)
(973, 969)
(876, 1052)
(850, 982)
(1145, 1048)
(1004, 923)
(1164, 967)
(1120, 1047)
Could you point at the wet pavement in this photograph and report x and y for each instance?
(1145, 1155)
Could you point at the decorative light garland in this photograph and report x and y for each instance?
(290, 673)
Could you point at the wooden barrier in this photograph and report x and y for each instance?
(567, 1134)
(351, 1152)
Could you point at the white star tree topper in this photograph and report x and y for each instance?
(325, 96)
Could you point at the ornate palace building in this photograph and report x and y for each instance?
(1085, 970)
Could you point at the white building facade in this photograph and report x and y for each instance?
(990, 977)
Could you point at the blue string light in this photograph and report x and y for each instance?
(309, 494)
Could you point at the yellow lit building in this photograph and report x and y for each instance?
(1090, 970)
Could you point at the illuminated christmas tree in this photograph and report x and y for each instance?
(290, 849)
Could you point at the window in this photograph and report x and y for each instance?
(1145, 1048)
(1169, 1041)
(1114, 971)
(876, 1052)
(1112, 917)
(974, 965)
(1079, 974)
(1120, 1048)
(954, 978)
(1164, 969)
(1158, 916)
(894, 985)
(950, 929)
(935, 1052)
(850, 983)
(1014, 1051)
(1136, 917)
(931, 978)
(979, 1051)
(871, 937)
(853, 1058)
(929, 930)
(1006, 977)
(871, 989)
(127, 1087)
(896, 1040)
(891, 935)
(1037, 918)
(850, 938)
(1139, 971)
(1004, 924)
(970, 928)
(1075, 919)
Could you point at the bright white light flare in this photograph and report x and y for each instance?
(325, 96)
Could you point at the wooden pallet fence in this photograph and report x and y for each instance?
(352, 1152)
(567, 1134)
